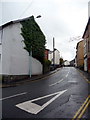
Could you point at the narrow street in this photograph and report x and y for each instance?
(59, 95)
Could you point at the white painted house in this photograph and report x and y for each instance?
(14, 59)
(56, 57)
(66, 63)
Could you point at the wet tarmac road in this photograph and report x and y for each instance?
(59, 95)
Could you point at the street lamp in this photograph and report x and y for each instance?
(30, 56)
(38, 16)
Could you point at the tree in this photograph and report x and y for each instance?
(61, 61)
(34, 38)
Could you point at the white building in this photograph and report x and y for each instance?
(14, 59)
(66, 63)
(56, 57)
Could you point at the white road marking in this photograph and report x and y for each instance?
(59, 81)
(13, 96)
(33, 108)
(72, 81)
(56, 83)
(66, 75)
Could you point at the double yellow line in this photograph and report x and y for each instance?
(82, 109)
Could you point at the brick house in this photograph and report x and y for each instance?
(80, 54)
(86, 37)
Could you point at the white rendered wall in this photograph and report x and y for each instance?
(0, 53)
(36, 67)
(50, 57)
(57, 57)
(15, 59)
(66, 63)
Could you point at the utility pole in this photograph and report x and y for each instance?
(53, 51)
(30, 65)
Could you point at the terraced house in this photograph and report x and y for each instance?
(86, 37)
(80, 54)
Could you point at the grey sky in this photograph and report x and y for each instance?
(62, 19)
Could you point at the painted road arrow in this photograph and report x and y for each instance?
(33, 108)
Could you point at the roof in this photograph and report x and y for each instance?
(86, 27)
(52, 51)
(12, 22)
(47, 49)
(56, 49)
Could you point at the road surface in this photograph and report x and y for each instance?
(59, 95)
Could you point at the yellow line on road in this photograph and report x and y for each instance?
(84, 106)
(83, 111)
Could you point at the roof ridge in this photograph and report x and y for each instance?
(13, 21)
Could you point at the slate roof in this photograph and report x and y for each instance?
(12, 22)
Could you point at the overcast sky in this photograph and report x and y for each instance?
(61, 19)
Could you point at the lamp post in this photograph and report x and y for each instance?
(30, 60)
(30, 56)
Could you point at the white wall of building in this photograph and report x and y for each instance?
(15, 59)
(57, 57)
(66, 63)
(50, 57)
(36, 67)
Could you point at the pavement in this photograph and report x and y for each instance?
(33, 78)
(86, 75)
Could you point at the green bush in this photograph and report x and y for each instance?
(47, 63)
